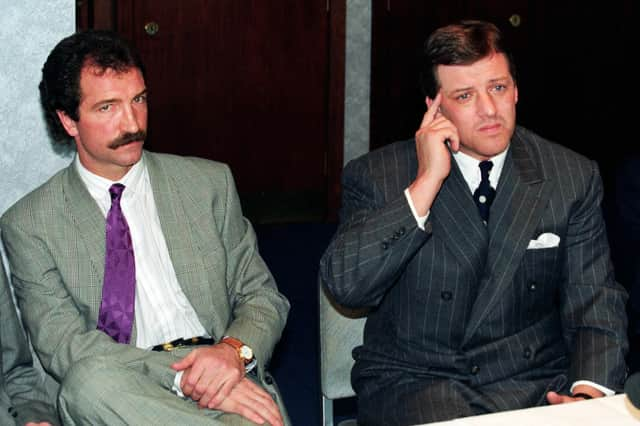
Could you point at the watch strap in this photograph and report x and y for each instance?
(238, 345)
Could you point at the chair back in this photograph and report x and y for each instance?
(341, 330)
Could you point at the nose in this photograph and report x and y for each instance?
(130, 122)
(487, 106)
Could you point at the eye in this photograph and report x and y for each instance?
(463, 97)
(105, 107)
(140, 99)
(500, 87)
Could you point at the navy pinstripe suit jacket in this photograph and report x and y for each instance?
(472, 305)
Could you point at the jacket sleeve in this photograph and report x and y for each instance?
(592, 303)
(259, 311)
(377, 236)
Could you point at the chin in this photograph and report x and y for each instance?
(496, 144)
(131, 153)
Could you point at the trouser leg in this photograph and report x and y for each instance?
(101, 391)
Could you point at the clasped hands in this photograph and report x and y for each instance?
(214, 376)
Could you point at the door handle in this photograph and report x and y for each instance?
(151, 28)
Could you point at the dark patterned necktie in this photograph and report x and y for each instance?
(118, 290)
(484, 194)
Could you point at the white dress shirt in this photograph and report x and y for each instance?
(162, 311)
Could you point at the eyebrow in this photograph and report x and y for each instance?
(500, 79)
(143, 92)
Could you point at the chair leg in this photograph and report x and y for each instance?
(327, 411)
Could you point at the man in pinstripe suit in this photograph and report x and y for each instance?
(471, 316)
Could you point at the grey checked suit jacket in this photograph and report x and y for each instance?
(468, 303)
(22, 390)
(56, 245)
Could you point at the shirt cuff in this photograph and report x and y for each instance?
(605, 391)
(176, 384)
(420, 220)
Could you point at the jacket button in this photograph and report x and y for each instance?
(268, 380)
(532, 286)
(401, 231)
(385, 245)
(527, 353)
(475, 370)
(446, 295)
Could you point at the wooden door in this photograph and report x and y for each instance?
(247, 82)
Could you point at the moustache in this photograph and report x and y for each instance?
(127, 138)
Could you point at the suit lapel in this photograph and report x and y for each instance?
(176, 215)
(453, 210)
(521, 198)
(89, 223)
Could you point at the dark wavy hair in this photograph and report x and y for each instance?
(60, 85)
(462, 43)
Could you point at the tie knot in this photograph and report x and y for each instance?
(116, 191)
(485, 167)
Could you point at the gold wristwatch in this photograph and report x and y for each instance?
(244, 352)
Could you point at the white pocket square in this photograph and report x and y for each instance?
(546, 240)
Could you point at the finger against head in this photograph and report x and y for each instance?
(432, 109)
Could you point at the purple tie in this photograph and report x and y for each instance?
(119, 288)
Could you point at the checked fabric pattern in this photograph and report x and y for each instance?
(118, 291)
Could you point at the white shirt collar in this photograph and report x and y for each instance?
(471, 172)
(99, 187)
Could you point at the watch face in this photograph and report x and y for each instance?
(246, 352)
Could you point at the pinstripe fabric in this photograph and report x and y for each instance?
(55, 244)
(461, 306)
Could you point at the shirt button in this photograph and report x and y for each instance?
(385, 245)
(446, 295)
(527, 353)
(475, 370)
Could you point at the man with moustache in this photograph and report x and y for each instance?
(165, 313)
(481, 251)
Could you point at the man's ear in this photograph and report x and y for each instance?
(428, 101)
(68, 123)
